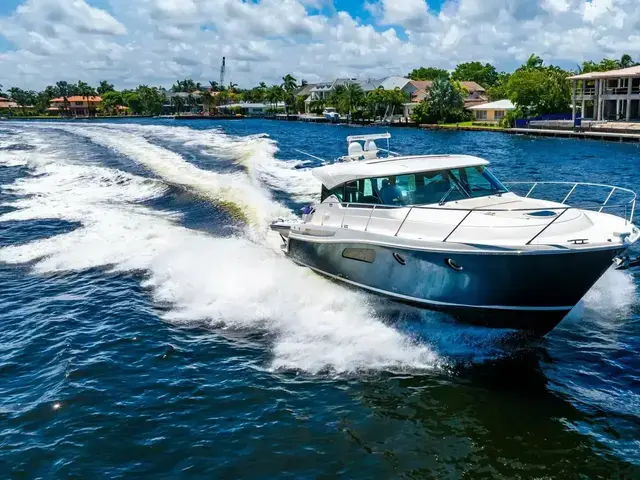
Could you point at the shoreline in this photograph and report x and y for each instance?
(609, 136)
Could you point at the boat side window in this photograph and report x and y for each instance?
(336, 191)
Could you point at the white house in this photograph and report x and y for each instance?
(492, 112)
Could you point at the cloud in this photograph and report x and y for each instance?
(156, 41)
(410, 13)
(77, 15)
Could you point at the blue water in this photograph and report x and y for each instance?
(150, 325)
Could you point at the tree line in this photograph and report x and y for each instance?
(535, 88)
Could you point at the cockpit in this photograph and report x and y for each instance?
(422, 188)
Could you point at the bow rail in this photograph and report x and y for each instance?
(599, 206)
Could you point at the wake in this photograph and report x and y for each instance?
(232, 282)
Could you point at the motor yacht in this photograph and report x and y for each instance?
(442, 232)
(331, 114)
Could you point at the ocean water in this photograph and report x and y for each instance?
(152, 327)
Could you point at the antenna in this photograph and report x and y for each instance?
(223, 69)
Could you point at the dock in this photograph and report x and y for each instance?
(590, 134)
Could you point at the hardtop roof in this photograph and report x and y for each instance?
(338, 173)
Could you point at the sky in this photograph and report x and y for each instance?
(155, 42)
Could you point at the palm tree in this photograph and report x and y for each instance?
(207, 101)
(274, 95)
(289, 82)
(288, 85)
(318, 105)
(214, 86)
(63, 90)
(86, 91)
(104, 87)
(178, 103)
(349, 97)
(533, 61)
(626, 61)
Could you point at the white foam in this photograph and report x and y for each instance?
(254, 202)
(615, 292)
(233, 282)
(256, 153)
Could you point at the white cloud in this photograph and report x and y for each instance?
(75, 14)
(404, 12)
(158, 41)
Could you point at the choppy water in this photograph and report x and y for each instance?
(150, 325)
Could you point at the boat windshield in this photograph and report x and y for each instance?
(423, 188)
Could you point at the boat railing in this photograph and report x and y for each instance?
(629, 208)
(630, 205)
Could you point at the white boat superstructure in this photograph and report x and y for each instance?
(331, 114)
(442, 231)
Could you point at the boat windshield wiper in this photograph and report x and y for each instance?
(451, 189)
(455, 184)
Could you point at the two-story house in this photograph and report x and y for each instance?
(611, 95)
(77, 106)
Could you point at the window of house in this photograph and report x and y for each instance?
(79, 103)
(481, 114)
(498, 114)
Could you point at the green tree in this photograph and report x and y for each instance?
(380, 101)
(274, 95)
(533, 62)
(178, 104)
(64, 90)
(428, 73)
(318, 105)
(104, 87)
(607, 64)
(626, 61)
(207, 101)
(151, 100)
(110, 102)
(485, 75)
(187, 85)
(540, 90)
(347, 98)
(132, 100)
(498, 90)
(444, 104)
(289, 84)
(22, 97)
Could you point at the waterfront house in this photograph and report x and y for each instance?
(418, 91)
(322, 90)
(611, 95)
(251, 109)
(491, 112)
(6, 104)
(77, 105)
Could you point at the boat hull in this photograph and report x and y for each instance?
(532, 291)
